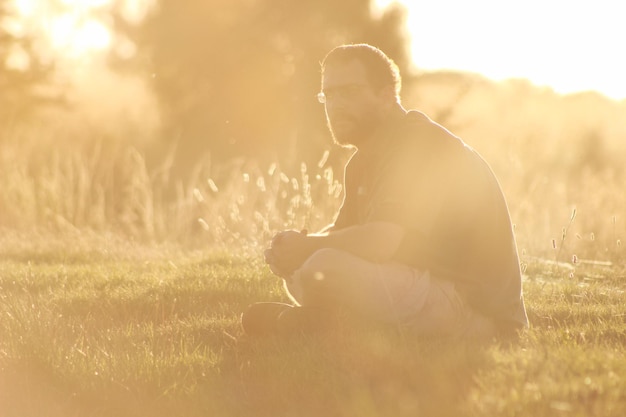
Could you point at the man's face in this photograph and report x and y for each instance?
(353, 106)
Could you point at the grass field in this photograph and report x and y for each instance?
(129, 330)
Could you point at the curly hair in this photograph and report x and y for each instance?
(380, 69)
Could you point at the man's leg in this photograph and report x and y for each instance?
(331, 279)
(393, 293)
(446, 313)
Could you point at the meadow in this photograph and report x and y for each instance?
(121, 289)
(122, 330)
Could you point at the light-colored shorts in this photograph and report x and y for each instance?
(387, 292)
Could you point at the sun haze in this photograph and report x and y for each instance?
(70, 28)
(568, 46)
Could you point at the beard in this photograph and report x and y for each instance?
(348, 130)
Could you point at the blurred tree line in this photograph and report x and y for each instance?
(231, 78)
(239, 77)
(24, 74)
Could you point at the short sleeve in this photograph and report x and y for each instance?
(409, 191)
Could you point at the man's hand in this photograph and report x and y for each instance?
(287, 252)
(375, 242)
(271, 262)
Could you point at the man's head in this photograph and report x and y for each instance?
(360, 85)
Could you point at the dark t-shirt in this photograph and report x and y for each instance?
(450, 204)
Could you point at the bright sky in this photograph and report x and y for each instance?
(568, 45)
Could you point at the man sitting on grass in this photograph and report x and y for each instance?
(423, 239)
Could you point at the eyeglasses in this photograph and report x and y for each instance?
(344, 92)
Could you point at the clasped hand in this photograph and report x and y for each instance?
(287, 252)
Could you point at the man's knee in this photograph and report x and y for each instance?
(318, 271)
(321, 264)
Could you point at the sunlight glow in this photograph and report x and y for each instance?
(25, 7)
(85, 3)
(568, 46)
(71, 28)
(76, 29)
(78, 37)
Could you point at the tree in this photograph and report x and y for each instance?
(240, 76)
(23, 75)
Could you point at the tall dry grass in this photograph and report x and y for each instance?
(98, 188)
(552, 154)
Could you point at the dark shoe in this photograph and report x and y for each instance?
(261, 319)
(306, 320)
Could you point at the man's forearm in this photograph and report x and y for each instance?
(376, 242)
